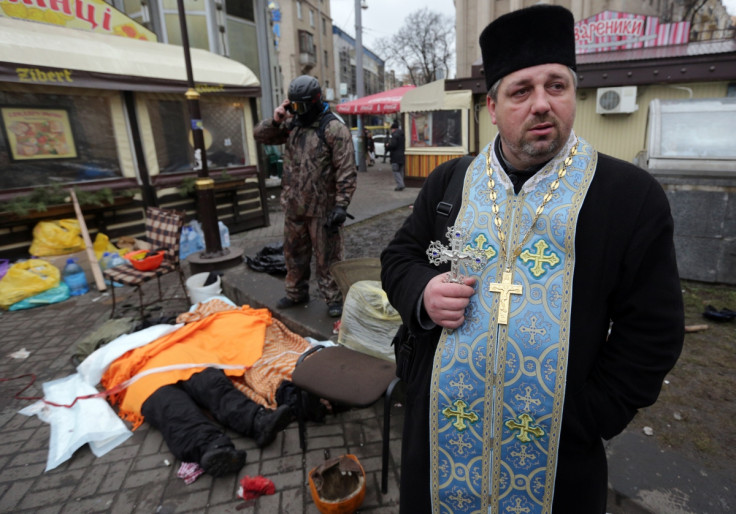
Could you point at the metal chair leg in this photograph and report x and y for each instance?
(140, 302)
(387, 400)
(300, 404)
(112, 291)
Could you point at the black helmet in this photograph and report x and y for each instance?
(304, 93)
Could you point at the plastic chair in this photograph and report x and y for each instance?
(344, 376)
(163, 231)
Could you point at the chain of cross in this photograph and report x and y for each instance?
(455, 254)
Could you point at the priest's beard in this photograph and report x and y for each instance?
(534, 151)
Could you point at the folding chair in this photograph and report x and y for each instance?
(344, 376)
(163, 230)
(348, 378)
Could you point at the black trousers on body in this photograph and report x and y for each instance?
(178, 412)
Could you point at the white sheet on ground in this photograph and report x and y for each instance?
(89, 421)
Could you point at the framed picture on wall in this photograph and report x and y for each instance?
(35, 133)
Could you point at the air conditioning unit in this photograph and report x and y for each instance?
(616, 100)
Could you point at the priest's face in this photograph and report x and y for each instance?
(534, 111)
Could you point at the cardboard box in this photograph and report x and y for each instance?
(60, 261)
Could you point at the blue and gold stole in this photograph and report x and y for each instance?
(498, 389)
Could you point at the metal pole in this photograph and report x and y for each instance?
(206, 209)
(360, 86)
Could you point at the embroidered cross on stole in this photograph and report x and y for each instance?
(498, 384)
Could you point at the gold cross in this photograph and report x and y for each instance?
(533, 330)
(539, 258)
(461, 445)
(461, 385)
(528, 398)
(460, 415)
(525, 427)
(506, 289)
(523, 455)
(480, 242)
(517, 508)
(459, 499)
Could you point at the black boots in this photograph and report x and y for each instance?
(267, 423)
(222, 460)
(287, 303)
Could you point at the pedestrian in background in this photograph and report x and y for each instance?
(396, 147)
(370, 147)
(567, 312)
(319, 179)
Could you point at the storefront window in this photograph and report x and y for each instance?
(692, 136)
(242, 42)
(55, 139)
(224, 133)
(435, 129)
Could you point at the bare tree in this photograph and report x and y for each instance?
(424, 46)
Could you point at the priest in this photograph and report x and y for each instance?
(538, 289)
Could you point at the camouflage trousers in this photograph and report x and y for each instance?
(302, 237)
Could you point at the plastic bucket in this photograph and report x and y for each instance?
(198, 292)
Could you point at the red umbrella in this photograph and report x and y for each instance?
(381, 103)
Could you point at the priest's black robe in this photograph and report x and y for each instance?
(625, 273)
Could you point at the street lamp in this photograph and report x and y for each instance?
(360, 86)
(214, 255)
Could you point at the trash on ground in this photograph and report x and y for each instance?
(20, 354)
(253, 487)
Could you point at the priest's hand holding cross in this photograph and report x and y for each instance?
(445, 302)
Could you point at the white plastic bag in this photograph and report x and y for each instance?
(369, 322)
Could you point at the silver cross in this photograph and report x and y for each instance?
(455, 255)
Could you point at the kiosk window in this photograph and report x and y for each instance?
(435, 129)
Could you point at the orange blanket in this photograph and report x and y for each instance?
(232, 337)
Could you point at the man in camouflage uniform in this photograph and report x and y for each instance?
(316, 188)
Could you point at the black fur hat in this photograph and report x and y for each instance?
(540, 34)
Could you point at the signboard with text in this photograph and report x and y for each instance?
(91, 15)
(611, 31)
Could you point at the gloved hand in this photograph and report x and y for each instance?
(336, 218)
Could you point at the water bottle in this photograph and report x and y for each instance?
(224, 234)
(104, 261)
(114, 260)
(74, 277)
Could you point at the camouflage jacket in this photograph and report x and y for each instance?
(315, 179)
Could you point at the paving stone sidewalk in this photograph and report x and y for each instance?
(140, 475)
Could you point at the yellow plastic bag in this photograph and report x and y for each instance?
(102, 244)
(56, 237)
(27, 278)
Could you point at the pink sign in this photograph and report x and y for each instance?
(610, 31)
